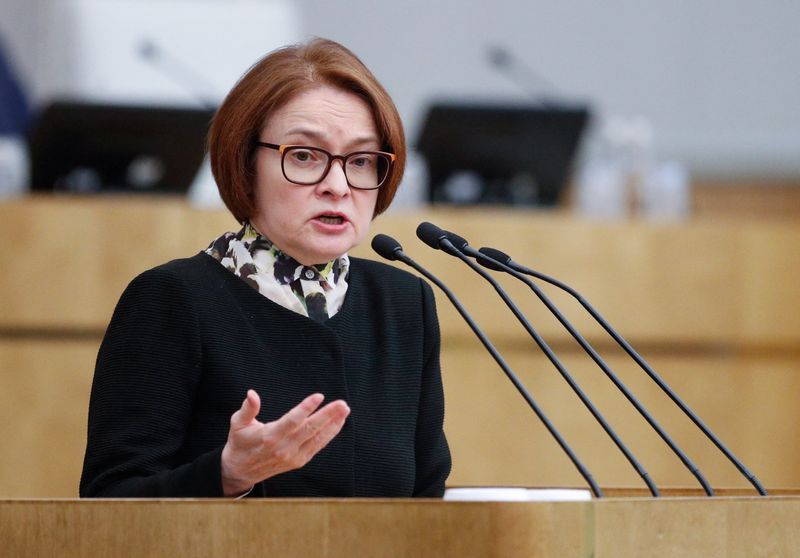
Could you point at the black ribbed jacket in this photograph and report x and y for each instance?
(189, 338)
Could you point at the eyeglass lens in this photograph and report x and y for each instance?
(307, 165)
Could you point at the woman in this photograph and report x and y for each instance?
(212, 373)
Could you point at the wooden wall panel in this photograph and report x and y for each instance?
(44, 397)
(712, 303)
(497, 439)
(494, 437)
(74, 256)
(694, 282)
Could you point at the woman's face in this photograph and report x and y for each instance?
(318, 223)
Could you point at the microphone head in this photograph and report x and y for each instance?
(148, 50)
(386, 246)
(496, 255)
(431, 235)
(458, 241)
(498, 56)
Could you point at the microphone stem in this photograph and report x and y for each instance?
(640, 470)
(644, 366)
(400, 255)
(180, 74)
(587, 347)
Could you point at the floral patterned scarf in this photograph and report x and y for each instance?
(315, 291)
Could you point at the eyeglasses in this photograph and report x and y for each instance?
(304, 165)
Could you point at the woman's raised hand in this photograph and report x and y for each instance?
(256, 451)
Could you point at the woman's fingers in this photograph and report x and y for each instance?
(296, 431)
(320, 435)
(315, 433)
(292, 440)
(313, 425)
(296, 417)
(248, 412)
(256, 451)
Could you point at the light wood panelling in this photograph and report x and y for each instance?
(74, 255)
(44, 398)
(747, 199)
(695, 282)
(495, 438)
(712, 304)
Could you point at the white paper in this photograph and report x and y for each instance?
(516, 494)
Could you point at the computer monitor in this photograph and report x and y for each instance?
(83, 148)
(500, 154)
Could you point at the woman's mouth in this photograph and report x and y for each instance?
(331, 219)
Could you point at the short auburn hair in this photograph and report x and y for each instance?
(268, 85)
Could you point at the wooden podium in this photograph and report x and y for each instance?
(717, 527)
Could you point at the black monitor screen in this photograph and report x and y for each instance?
(518, 155)
(79, 147)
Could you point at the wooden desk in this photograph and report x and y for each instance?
(713, 305)
(677, 527)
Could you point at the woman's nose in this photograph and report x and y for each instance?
(335, 182)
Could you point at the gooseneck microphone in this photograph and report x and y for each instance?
(179, 73)
(463, 246)
(499, 261)
(521, 75)
(389, 248)
(437, 239)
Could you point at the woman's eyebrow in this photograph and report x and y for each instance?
(316, 135)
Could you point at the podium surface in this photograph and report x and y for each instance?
(612, 527)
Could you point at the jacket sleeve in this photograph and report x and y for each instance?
(432, 452)
(146, 374)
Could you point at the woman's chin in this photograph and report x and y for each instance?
(326, 250)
